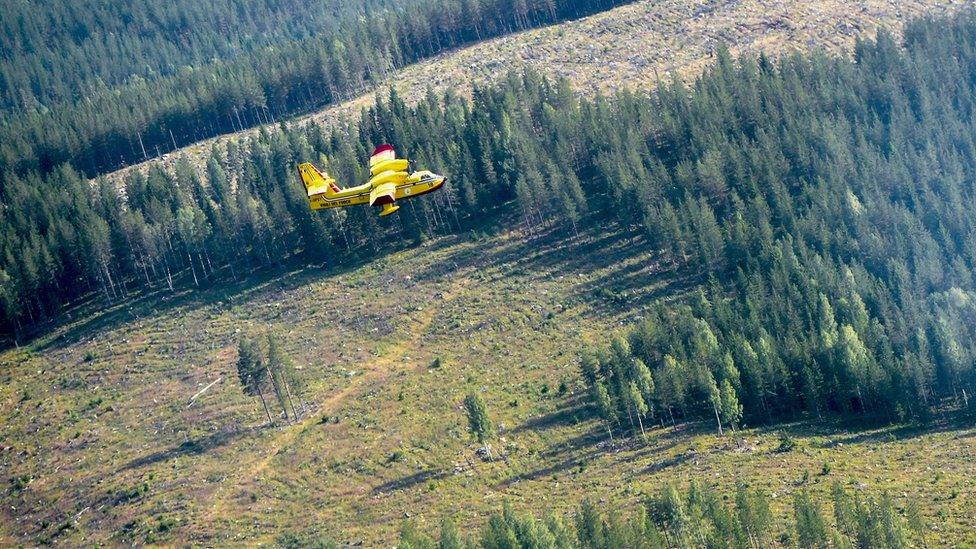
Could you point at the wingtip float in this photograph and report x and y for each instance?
(390, 181)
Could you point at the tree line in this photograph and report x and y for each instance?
(696, 516)
(120, 82)
(825, 204)
(622, 386)
(69, 49)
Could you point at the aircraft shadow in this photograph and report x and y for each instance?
(573, 410)
(192, 447)
(410, 481)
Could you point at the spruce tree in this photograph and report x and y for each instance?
(479, 424)
(274, 367)
(251, 372)
(811, 530)
(636, 400)
(605, 407)
(731, 409)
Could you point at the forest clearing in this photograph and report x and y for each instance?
(702, 275)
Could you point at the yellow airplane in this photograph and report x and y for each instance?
(390, 180)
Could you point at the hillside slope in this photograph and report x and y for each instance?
(128, 426)
(631, 46)
(101, 445)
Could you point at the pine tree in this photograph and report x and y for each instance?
(590, 366)
(605, 407)
(251, 372)
(275, 369)
(410, 538)
(673, 515)
(636, 400)
(671, 385)
(645, 383)
(450, 538)
(589, 526)
(859, 365)
(811, 530)
(731, 409)
(479, 424)
(715, 399)
(754, 515)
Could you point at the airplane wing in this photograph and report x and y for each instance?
(386, 172)
(390, 180)
(384, 159)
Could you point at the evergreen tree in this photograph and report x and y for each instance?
(251, 372)
(811, 530)
(590, 528)
(277, 372)
(645, 384)
(715, 399)
(731, 409)
(636, 400)
(450, 538)
(671, 385)
(479, 424)
(605, 407)
(754, 517)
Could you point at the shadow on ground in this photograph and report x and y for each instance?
(221, 291)
(410, 481)
(191, 447)
(573, 410)
(635, 276)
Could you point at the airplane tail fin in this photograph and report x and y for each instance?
(317, 182)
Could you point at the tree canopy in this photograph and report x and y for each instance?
(822, 205)
(101, 84)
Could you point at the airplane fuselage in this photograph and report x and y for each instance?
(390, 181)
(416, 184)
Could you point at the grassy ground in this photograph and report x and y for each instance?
(99, 444)
(632, 46)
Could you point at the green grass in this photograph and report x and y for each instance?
(104, 448)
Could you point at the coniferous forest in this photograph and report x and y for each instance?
(105, 84)
(822, 203)
(694, 517)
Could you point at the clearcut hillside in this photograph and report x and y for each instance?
(633, 46)
(126, 424)
(101, 446)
